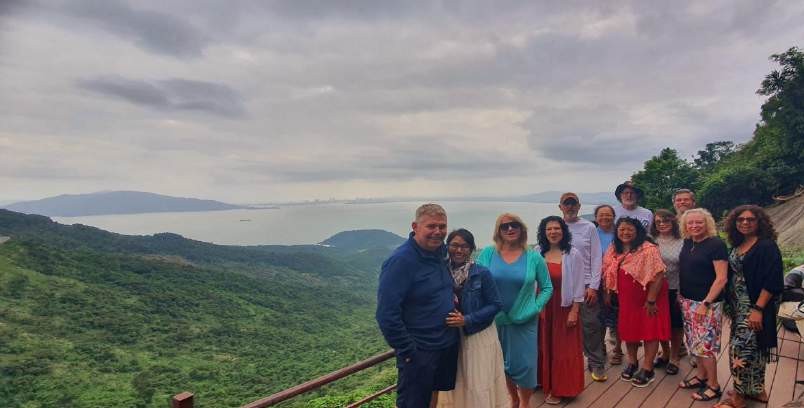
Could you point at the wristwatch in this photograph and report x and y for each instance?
(707, 303)
(757, 307)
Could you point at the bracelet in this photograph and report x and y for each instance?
(758, 308)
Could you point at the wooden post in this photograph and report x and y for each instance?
(183, 400)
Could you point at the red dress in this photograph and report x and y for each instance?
(560, 348)
(633, 323)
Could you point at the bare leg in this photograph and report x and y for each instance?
(524, 397)
(651, 348)
(709, 371)
(512, 392)
(676, 337)
(632, 348)
(434, 400)
(666, 347)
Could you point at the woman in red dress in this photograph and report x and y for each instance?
(561, 367)
(633, 265)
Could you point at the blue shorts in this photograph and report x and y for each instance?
(427, 371)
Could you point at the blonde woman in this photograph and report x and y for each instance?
(520, 274)
(703, 273)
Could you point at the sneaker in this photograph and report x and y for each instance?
(628, 372)
(643, 378)
(599, 374)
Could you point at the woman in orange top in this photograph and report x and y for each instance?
(633, 267)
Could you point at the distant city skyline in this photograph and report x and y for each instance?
(290, 100)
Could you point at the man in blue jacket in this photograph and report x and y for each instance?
(413, 300)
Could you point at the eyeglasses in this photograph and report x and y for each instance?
(460, 247)
(513, 225)
(749, 220)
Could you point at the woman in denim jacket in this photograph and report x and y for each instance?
(480, 380)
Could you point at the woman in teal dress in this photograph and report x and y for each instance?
(524, 286)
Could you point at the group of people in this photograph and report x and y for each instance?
(487, 331)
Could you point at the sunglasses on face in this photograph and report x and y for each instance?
(513, 225)
(749, 220)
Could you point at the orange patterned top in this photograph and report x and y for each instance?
(643, 265)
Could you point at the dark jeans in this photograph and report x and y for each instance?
(427, 371)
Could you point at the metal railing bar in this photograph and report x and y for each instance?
(374, 396)
(320, 381)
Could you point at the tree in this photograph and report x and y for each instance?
(713, 154)
(784, 112)
(662, 175)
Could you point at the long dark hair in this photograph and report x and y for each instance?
(641, 234)
(466, 235)
(764, 225)
(566, 239)
(665, 215)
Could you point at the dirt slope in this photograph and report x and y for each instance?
(788, 218)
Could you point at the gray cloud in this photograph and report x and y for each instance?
(155, 31)
(411, 157)
(170, 94)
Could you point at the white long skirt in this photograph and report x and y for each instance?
(480, 380)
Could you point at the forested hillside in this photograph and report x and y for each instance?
(95, 319)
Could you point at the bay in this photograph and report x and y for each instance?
(310, 224)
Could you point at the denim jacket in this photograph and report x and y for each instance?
(480, 300)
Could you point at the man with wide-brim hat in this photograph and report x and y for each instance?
(629, 195)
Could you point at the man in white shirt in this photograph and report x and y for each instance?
(586, 240)
(629, 195)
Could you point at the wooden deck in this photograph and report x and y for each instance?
(664, 392)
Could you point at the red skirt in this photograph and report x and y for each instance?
(633, 323)
(561, 371)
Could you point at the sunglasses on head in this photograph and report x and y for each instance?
(510, 225)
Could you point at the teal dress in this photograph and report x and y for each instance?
(517, 323)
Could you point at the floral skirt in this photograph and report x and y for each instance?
(702, 332)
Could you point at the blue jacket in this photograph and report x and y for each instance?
(480, 300)
(414, 298)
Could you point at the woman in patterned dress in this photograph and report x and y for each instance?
(752, 301)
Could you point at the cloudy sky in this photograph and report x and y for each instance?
(266, 101)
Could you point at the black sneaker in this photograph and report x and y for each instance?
(628, 372)
(643, 378)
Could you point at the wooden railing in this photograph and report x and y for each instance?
(185, 399)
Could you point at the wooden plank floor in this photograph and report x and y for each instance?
(664, 392)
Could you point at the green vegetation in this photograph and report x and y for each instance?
(725, 175)
(94, 319)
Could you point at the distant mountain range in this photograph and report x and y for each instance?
(137, 202)
(550, 197)
(116, 202)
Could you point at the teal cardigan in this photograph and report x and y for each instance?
(527, 303)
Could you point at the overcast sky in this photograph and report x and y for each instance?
(266, 101)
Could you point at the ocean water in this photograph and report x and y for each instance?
(310, 224)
